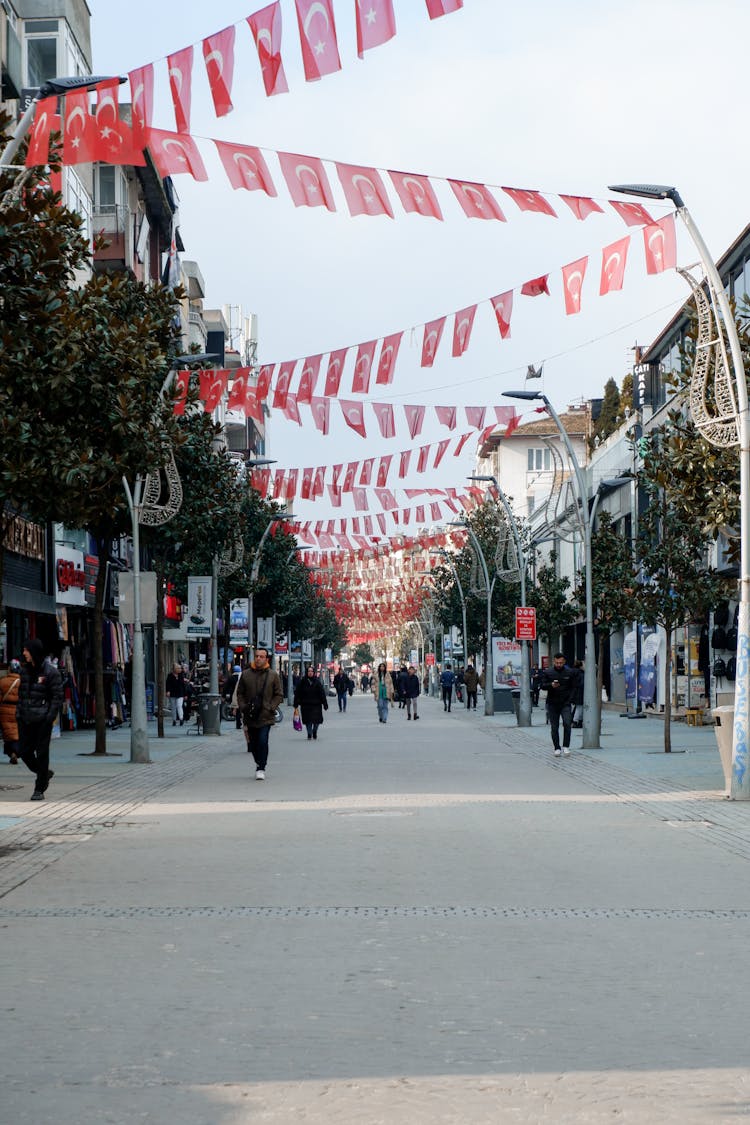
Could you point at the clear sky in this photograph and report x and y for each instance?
(562, 98)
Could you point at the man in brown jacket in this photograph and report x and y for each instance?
(259, 693)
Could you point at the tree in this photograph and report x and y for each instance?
(554, 610)
(362, 654)
(677, 585)
(609, 416)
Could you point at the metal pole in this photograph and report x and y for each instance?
(213, 667)
(591, 705)
(289, 687)
(22, 128)
(139, 748)
(489, 674)
(740, 781)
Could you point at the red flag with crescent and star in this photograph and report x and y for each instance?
(437, 8)
(245, 167)
(376, 23)
(433, 332)
(364, 190)
(266, 28)
(307, 180)
(573, 276)
(614, 260)
(660, 245)
(334, 372)
(180, 85)
(174, 153)
(115, 144)
(416, 194)
(477, 201)
(80, 137)
(462, 326)
(317, 33)
(387, 361)
(218, 55)
(46, 121)
(142, 102)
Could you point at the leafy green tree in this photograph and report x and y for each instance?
(609, 417)
(554, 609)
(362, 654)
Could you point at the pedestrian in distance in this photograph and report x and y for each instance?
(471, 682)
(40, 696)
(559, 682)
(341, 684)
(10, 682)
(228, 689)
(578, 694)
(382, 690)
(176, 689)
(447, 680)
(258, 695)
(460, 685)
(401, 686)
(536, 683)
(310, 701)
(411, 692)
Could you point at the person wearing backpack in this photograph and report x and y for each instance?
(447, 680)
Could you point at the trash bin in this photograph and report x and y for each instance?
(516, 693)
(209, 708)
(724, 731)
(503, 699)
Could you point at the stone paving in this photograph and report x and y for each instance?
(433, 922)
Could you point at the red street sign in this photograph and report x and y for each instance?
(525, 623)
(429, 658)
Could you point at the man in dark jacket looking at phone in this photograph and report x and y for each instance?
(559, 682)
(258, 695)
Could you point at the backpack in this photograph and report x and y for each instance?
(731, 668)
(720, 668)
(721, 614)
(718, 638)
(731, 639)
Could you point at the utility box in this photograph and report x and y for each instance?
(209, 708)
(724, 731)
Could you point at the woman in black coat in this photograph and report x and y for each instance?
(310, 698)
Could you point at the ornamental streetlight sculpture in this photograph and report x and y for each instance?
(725, 423)
(524, 707)
(591, 704)
(489, 675)
(445, 555)
(255, 571)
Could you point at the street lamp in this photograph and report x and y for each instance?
(255, 571)
(51, 86)
(524, 703)
(454, 571)
(489, 675)
(591, 705)
(740, 782)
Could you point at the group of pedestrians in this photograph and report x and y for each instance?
(402, 687)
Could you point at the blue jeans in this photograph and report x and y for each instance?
(383, 710)
(257, 744)
(342, 701)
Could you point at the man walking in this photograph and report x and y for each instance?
(258, 695)
(341, 684)
(411, 691)
(471, 680)
(559, 682)
(447, 680)
(40, 696)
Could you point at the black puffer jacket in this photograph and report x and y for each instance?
(40, 694)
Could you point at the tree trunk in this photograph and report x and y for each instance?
(100, 707)
(668, 693)
(159, 700)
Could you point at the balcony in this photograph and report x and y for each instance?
(111, 222)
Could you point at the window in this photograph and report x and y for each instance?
(78, 199)
(41, 60)
(105, 187)
(539, 460)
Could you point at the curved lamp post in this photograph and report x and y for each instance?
(740, 417)
(591, 705)
(524, 708)
(255, 571)
(445, 555)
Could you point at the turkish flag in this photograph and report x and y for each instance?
(440, 451)
(259, 480)
(614, 258)
(403, 467)
(436, 513)
(142, 102)
(573, 276)
(414, 419)
(446, 416)
(419, 514)
(384, 415)
(317, 33)
(433, 332)
(368, 525)
(535, 287)
(364, 190)
(306, 484)
(363, 368)
(175, 152)
(461, 443)
(318, 482)
(218, 53)
(416, 194)
(437, 8)
(283, 380)
(266, 28)
(365, 475)
(349, 475)
(582, 206)
(386, 498)
(308, 379)
(335, 370)
(291, 484)
(115, 142)
(384, 467)
(291, 410)
(513, 425)
(375, 25)
(181, 385)
(335, 474)
(475, 416)
(354, 415)
(387, 361)
(424, 453)
(80, 136)
(240, 389)
(46, 121)
(476, 200)
(253, 406)
(503, 306)
(264, 380)
(245, 167)
(307, 181)
(462, 326)
(530, 201)
(278, 483)
(212, 387)
(660, 245)
(632, 214)
(180, 84)
(381, 521)
(321, 412)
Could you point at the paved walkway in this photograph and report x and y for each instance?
(423, 922)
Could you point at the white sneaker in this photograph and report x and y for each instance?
(260, 775)
(566, 753)
(558, 753)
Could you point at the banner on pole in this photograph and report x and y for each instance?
(199, 606)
